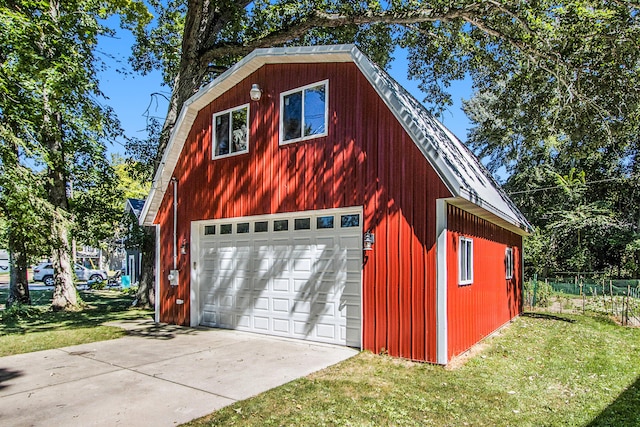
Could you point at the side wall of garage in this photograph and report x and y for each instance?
(476, 309)
(367, 160)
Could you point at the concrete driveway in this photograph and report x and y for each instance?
(158, 375)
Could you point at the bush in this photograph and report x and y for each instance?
(541, 290)
(97, 285)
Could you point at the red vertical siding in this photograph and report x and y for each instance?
(366, 160)
(477, 309)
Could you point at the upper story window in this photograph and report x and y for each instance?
(303, 112)
(465, 261)
(230, 132)
(508, 263)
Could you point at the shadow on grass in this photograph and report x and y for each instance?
(6, 375)
(101, 307)
(624, 411)
(547, 316)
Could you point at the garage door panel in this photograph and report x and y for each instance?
(261, 323)
(301, 308)
(302, 263)
(281, 285)
(280, 305)
(327, 331)
(282, 325)
(296, 283)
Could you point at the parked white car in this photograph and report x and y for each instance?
(43, 272)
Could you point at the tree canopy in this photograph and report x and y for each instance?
(556, 89)
(54, 130)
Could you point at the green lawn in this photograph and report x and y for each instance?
(540, 371)
(38, 328)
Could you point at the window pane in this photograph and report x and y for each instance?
(225, 229)
(239, 130)
(324, 222)
(292, 116)
(222, 134)
(314, 110)
(350, 220)
(242, 227)
(209, 230)
(281, 225)
(302, 224)
(261, 226)
(466, 261)
(509, 263)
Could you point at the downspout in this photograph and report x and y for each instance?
(175, 222)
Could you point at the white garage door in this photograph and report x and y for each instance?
(294, 275)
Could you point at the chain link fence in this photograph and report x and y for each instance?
(579, 293)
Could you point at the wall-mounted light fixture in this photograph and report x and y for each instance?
(255, 92)
(184, 246)
(369, 240)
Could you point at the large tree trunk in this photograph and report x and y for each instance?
(146, 295)
(18, 282)
(64, 293)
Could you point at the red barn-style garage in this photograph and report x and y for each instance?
(305, 194)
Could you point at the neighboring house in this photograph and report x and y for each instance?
(89, 256)
(4, 261)
(133, 258)
(266, 210)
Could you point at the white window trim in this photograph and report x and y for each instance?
(463, 241)
(213, 132)
(508, 256)
(326, 113)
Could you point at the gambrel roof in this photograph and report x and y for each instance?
(470, 183)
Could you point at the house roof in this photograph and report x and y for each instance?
(134, 205)
(469, 182)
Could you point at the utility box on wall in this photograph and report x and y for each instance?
(173, 277)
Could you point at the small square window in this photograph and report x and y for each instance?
(281, 225)
(304, 113)
(230, 132)
(350, 220)
(508, 263)
(242, 227)
(302, 224)
(226, 229)
(324, 222)
(209, 230)
(261, 226)
(465, 261)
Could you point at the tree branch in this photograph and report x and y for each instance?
(332, 20)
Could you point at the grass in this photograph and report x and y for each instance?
(573, 370)
(38, 328)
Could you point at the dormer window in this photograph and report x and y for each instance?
(304, 113)
(231, 132)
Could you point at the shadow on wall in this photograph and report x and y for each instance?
(624, 411)
(272, 269)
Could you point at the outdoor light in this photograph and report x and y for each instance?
(369, 240)
(184, 246)
(255, 92)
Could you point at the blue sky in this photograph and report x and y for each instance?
(130, 94)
